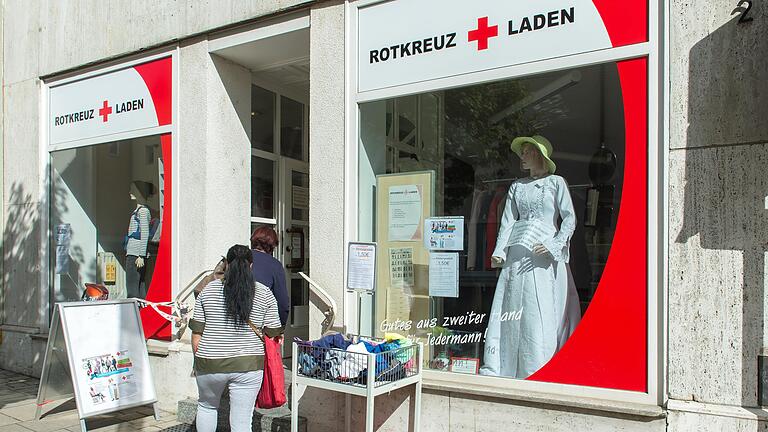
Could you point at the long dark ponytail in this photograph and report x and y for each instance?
(238, 284)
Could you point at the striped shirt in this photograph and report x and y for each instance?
(224, 346)
(138, 247)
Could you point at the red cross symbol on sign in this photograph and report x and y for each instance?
(105, 111)
(483, 33)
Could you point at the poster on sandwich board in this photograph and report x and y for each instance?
(97, 353)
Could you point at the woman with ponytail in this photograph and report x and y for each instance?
(228, 354)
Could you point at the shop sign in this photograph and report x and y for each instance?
(435, 39)
(137, 97)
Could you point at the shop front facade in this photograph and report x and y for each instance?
(133, 162)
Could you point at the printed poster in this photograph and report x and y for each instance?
(63, 238)
(401, 268)
(405, 204)
(444, 233)
(110, 377)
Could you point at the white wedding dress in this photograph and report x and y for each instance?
(535, 307)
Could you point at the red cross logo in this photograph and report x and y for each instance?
(105, 111)
(483, 33)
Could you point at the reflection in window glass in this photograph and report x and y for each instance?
(105, 214)
(291, 128)
(262, 119)
(262, 188)
(536, 233)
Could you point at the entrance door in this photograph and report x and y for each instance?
(294, 242)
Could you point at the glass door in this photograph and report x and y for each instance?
(294, 243)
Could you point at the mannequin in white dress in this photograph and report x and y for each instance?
(532, 248)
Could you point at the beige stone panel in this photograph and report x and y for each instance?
(199, 15)
(323, 409)
(192, 164)
(21, 142)
(394, 412)
(21, 261)
(326, 154)
(228, 156)
(716, 71)
(718, 234)
(692, 422)
(479, 414)
(21, 40)
(172, 377)
(75, 33)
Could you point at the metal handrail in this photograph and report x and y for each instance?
(330, 313)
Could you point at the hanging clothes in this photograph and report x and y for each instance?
(492, 227)
(539, 287)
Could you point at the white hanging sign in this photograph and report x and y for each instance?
(408, 41)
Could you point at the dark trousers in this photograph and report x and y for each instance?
(134, 278)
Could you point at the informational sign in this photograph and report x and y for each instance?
(133, 98)
(405, 213)
(296, 247)
(401, 268)
(106, 357)
(464, 36)
(63, 238)
(444, 274)
(361, 266)
(444, 233)
(465, 365)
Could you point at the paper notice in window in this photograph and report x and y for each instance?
(529, 233)
(444, 274)
(405, 213)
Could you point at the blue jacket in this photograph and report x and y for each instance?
(269, 272)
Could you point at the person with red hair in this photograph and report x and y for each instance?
(269, 271)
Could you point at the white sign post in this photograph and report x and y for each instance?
(97, 352)
(361, 272)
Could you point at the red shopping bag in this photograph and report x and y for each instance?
(272, 393)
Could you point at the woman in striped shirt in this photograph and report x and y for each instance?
(228, 354)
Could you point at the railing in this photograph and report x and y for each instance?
(330, 313)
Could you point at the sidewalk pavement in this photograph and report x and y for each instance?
(18, 397)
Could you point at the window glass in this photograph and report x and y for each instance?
(291, 128)
(262, 188)
(262, 119)
(524, 225)
(106, 212)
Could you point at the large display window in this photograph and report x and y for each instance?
(107, 217)
(531, 177)
(502, 163)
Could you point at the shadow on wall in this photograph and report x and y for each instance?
(722, 198)
(20, 294)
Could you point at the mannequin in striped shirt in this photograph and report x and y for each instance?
(138, 241)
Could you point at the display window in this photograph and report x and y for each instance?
(502, 212)
(110, 197)
(502, 171)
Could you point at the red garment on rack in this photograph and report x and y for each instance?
(492, 229)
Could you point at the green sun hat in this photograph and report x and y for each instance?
(540, 143)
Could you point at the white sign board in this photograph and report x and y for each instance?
(361, 266)
(107, 356)
(121, 101)
(409, 41)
